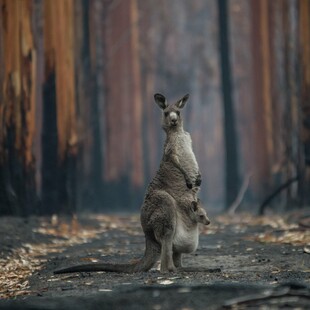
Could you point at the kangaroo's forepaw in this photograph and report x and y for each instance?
(189, 184)
(198, 180)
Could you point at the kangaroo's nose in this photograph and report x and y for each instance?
(173, 116)
(208, 222)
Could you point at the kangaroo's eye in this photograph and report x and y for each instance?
(201, 216)
(178, 113)
(166, 114)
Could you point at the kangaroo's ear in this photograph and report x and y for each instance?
(181, 103)
(194, 206)
(161, 101)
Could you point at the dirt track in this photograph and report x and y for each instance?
(237, 257)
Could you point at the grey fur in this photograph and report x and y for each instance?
(169, 220)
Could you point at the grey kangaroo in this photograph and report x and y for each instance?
(171, 212)
(198, 214)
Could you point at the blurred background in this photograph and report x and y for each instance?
(79, 129)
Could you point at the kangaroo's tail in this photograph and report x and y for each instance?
(151, 255)
(126, 268)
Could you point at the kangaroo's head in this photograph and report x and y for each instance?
(200, 213)
(171, 113)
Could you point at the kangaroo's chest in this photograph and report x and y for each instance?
(184, 150)
(185, 240)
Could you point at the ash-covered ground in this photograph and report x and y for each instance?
(242, 261)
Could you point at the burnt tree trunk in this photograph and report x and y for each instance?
(304, 45)
(17, 108)
(59, 139)
(231, 159)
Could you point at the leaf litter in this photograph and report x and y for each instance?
(24, 261)
(279, 229)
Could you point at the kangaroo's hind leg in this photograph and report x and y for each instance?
(159, 217)
(167, 264)
(164, 232)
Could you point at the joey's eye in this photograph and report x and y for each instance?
(201, 216)
(166, 114)
(178, 113)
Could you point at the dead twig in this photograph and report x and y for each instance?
(232, 209)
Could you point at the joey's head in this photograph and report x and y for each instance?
(200, 214)
(172, 119)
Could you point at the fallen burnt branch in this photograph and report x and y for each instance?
(276, 192)
(304, 222)
(289, 295)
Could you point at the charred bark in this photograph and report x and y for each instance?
(231, 159)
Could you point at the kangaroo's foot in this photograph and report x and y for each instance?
(166, 269)
(177, 259)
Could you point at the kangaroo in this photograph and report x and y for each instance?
(199, 214)
(168, 220)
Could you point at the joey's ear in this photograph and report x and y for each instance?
(181, 103)
(194, 206)
(161, 101)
